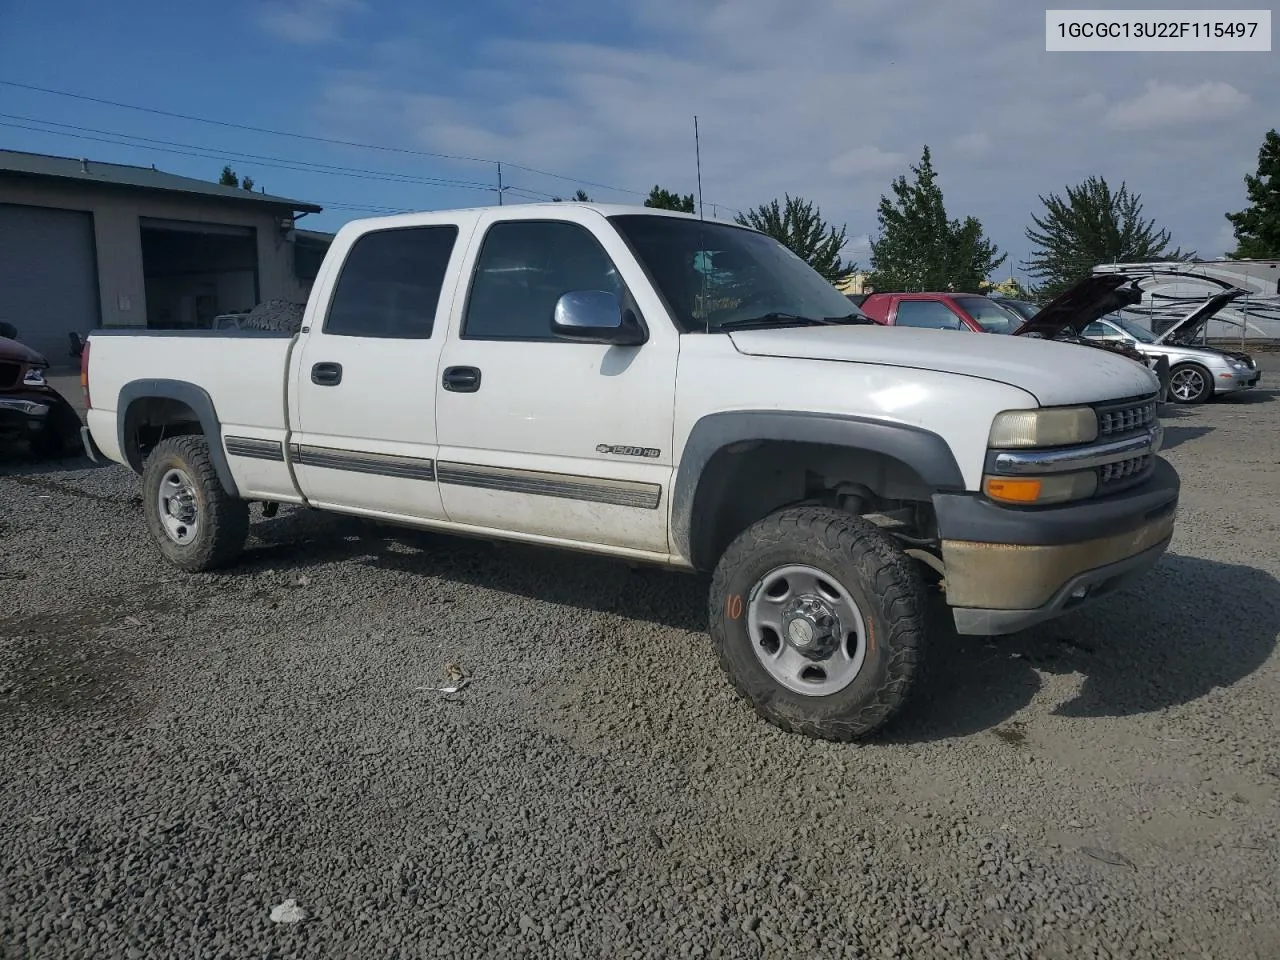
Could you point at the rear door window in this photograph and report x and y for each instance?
(390, 283)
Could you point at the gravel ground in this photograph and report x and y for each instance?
(183, 754)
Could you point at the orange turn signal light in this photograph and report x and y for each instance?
(1012, 489)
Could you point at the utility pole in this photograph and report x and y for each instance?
(697, 149)
(499, 183)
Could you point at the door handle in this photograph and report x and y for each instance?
(461, 379)
(326, 374)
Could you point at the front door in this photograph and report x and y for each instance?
(364, 378)
(543, 436)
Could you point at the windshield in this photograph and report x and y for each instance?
(713, 275)
(1141, 334)
(1020, 307)
(992, 317)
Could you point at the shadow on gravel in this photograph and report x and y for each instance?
(1175, 436)
(1140, 651)
(302, 538)
(1247, 397)
(19, 465)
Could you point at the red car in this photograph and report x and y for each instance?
(940, 311)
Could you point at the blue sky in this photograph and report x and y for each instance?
(823, 98)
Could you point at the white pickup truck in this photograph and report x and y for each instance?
(663, 389)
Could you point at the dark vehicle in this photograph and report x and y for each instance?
(31, 411)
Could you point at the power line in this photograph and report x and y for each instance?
(211, 153)
(278, 163)
(315, 139)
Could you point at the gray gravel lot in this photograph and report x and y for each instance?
(181, 754)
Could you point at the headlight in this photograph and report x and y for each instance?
(34, 378)
(1046, 427)
(1051, 488)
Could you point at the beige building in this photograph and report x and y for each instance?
(85, 244)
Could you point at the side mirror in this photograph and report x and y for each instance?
(596, 316)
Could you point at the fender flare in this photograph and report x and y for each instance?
(923, 451)
(198, 399)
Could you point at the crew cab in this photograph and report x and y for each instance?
(651, 386)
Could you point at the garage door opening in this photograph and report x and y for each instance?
(196, 271)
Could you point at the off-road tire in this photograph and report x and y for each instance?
(1205, 393)
(882, 580)
(224, 519)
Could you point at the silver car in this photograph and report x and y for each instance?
(1196, 372)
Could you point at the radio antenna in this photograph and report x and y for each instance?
(697, 152)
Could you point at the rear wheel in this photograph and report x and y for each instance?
(817, 618)
(195, 522)
(1190, 383)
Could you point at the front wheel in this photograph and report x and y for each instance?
(196, 524)
(817, 618)
(1190, 383)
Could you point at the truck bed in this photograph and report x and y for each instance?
(243, 371)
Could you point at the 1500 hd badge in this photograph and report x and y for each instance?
(624, 451)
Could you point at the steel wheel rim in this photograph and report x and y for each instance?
(1186, 384)
(178, 508)
(789, 593)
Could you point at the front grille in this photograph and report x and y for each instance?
(9, 375)
(1124, 473)
(1117, 420)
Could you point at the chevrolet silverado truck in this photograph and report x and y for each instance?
(666, 390)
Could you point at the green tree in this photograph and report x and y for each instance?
(229, 179)
(799, 225)
(667, 200)
(920, 248)
(579, 196)
(1091, 225)
(1257, 228)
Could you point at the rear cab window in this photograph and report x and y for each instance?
(390, 283)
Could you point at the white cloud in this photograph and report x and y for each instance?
(1166, 103)
(864, 160)
(818, 98)
(306, 21)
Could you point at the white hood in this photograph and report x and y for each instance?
(1054, 373)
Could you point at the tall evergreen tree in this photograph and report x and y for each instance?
(1091, 225)
(920, 248)
(799, 225)
(1257, 228)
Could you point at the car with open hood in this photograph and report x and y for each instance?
(31, 411)
(1067, 316)
(1062, 319)
(1197, 372)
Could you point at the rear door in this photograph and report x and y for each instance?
(363, 383)
(546, 437)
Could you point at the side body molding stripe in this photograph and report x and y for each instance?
(622, 493)
(923, 451)
(378, 464)
(254, 448)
